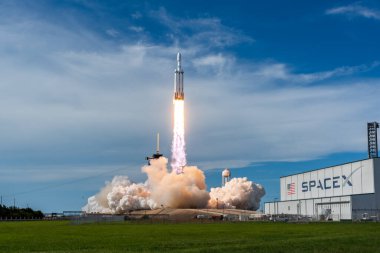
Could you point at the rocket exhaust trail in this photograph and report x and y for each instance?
(178, 144)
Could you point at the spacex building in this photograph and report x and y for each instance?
(349, 191)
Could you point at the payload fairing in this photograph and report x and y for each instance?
(178, 80)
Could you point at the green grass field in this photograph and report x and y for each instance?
(57, 236)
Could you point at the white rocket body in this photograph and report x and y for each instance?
(178, 80)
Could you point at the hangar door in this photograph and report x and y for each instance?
(333, 210)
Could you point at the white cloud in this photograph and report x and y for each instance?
(271, 74)
(213, 63)
(210, 60)
(64, 102)
(51, 173)
(283, 124)
(112, 32)
(209, 32)
(355, 10)
(136, 15)
(223, 164)
(137, 28)
(340, 71)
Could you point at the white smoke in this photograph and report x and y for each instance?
(167, 189)
(186, 190)
(119, 196)
(237, 193)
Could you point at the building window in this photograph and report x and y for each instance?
(288, 208)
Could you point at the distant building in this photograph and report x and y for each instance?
(348, 191)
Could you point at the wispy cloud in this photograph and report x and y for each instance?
(282, 72)
(210, 60)
(337, 72)
(112, 32)
(136, 15)
(355, 10)
(203, 31)
(136, 28)
(219, 64)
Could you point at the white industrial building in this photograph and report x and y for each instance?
(348, 191)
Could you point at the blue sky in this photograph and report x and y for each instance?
(272, 88)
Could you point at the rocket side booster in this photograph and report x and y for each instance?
(178, 80)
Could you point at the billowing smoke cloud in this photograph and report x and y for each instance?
(119, 196)
(163, 188)
(186, 190)
(237, 193)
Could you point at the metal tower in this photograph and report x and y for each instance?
(372, 139)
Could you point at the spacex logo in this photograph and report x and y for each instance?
(329, 182)
(326, 183)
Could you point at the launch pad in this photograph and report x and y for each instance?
(157, 154)
(176, 214)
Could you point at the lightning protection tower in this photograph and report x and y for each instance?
(372, 139)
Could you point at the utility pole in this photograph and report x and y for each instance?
(14, 202)
(1, 200)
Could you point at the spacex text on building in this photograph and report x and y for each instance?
(327, 183)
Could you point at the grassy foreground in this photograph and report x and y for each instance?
(54, 236)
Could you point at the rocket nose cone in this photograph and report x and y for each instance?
(178, 56)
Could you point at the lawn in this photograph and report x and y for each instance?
(60, 236)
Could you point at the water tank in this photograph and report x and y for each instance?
(226, 173)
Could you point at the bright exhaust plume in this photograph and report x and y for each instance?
(178, 145)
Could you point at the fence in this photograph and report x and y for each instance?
(366, 215)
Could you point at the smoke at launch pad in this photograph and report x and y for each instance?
(169, 189)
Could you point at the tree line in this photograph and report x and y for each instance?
(19, 213)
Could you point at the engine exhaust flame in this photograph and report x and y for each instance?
(178, 146)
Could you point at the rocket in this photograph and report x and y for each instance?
(178, 80)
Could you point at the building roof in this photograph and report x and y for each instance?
(329, 167)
